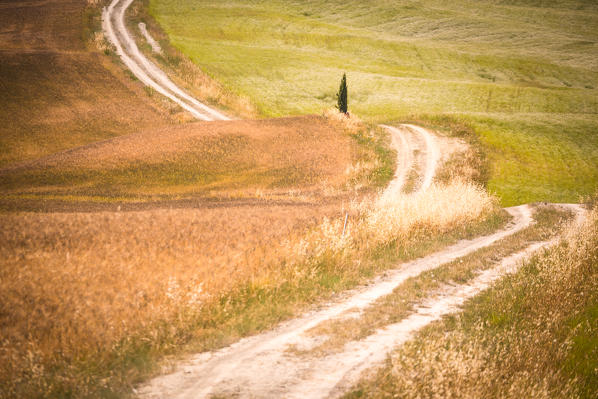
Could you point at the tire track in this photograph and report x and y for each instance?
(406, 158)
(432, 155)
(404, 161)
(261, 366)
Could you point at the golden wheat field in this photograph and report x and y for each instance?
(74, 285)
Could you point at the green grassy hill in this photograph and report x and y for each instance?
(523, 74)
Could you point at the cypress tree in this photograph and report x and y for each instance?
(341, 96)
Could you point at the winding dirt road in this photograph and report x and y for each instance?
(113, 24)
(265, 365)
(405, 139)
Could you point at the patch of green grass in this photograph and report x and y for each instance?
(518, 73)
(373, 147)
(549, 157)
(582, 360)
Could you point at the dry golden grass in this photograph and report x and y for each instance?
(405, 298)
(129, 279)
(80, 287)
(76, 284)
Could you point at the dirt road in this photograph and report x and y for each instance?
(400, 142)
(407, 139)
(266, 365)
(113, 24)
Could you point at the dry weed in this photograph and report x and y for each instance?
(394, 218)
(74, 285)
(349, 122)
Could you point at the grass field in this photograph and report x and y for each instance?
(519, 73)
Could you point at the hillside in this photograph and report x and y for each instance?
(147, 251)
(58, 91)
(227, 159)
(522, 74)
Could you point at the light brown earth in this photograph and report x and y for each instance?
(56, 92)
(290, 157)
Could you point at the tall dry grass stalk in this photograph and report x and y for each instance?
(349, 122)
(391, 218)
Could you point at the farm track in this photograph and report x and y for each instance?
(274, 363)
(407, 139)
(266, 365)
(113, 24)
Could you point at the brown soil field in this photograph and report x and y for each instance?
(56, 90)
(285, 156)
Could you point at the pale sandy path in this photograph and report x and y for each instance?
(149, 39)
(113, 24)
(404, 160)
(403, 140)
(432, 153)
(261, 367)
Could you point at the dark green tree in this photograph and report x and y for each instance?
(341, 96)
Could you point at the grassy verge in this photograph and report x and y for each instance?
(374, 161)
(531, 335)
